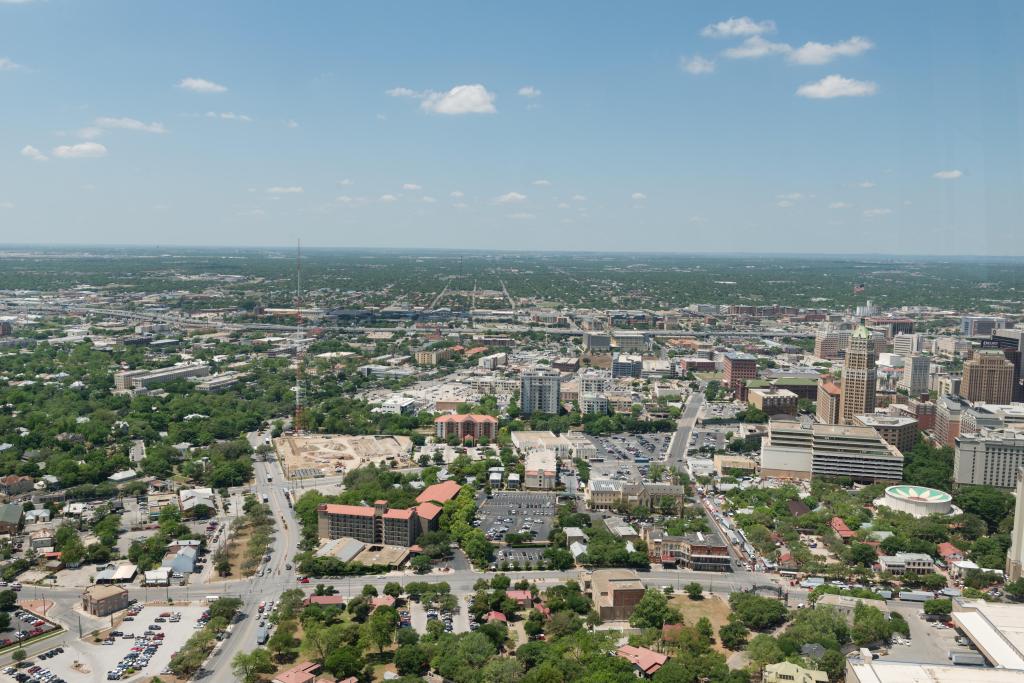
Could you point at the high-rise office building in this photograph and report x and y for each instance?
(988, 377)
(739, 367)
(915, 375)
(991, 458)
(1011, 341)
(906, 345)
(830, 344)
(980, 325)
(1015, 556)
(539, 391)
(827, 404)
(859, 376)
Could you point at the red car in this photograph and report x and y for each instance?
(304, 579)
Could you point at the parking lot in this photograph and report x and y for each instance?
(24, 625)
(707, 437)
(96, 660)
(930, 641)
(517, 512)
(627, 456)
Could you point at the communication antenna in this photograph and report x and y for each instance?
(299, 339)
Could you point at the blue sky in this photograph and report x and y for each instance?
(802, 127)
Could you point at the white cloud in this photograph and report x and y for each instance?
(285, 189)
(457, 194)
(579, 198)
(8, 65)
(785, 203)
(562, 205)
(344, 183)
(387, 198)
(756, 47)
(511, 198)
(201, 85)
(741, 26)
(228, 116)
(462, 99)
(541, 183)
(953, 174)
(460, 205)
(6, 205)
(125, 123)
(839, 205)
(792, 196)
(698, 219)
(872, 213)
(412, 187)
(822, 53)
(428, 200)
(638, 196)
(30, 152)
(291, 123)
(528, 91)
(522, 216)
(837, 86)
(83, 150)
(403, 92)
(696, 65)
(89, 132)
(866, 184)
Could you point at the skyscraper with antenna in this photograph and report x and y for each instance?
(300, 340)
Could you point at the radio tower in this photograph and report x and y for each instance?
(300, 350)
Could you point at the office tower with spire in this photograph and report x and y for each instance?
(859, 376)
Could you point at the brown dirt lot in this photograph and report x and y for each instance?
(713, 607)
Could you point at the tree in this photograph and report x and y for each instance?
(941, 607)
(5, 621)
(989, 503)
(344, 662)
(764, 649)
(19, 655)
(380, 627)
(869, 625)
(392, 588)
(861, 554)
(733, 635)
(283, 643)
(694, 590)
(1015, 589)
(502, 670)
(249, 666)
(651, 611)
(420, 564)
(757, 612)
(8, 599)
(411, 660)
(705, 630)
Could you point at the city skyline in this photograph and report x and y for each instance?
(733, 129)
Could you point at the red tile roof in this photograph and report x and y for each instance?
(839, 526)
(468, 417)
(398, 514)
(648, 661)
(520, 596)
(949, 550)
(495, 615)
(439, 493)
(303, 673)
(428, 510)
(324, 600)
(831, 388)
(357, 510)
(383, 601)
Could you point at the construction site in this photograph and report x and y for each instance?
(314, 456)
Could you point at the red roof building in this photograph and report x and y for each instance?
(523, 599)
(647, 662)
(843, 531)
(383, 601)
(469, 426)
(439, 493)
(495, 615)
(325, 600)
(950, 553)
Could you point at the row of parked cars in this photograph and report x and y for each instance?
(138, 657)
(35, 673)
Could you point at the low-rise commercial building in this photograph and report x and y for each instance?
(102, 600)
(773, 400)
(541, 471)
(798, 449)
(907, 563)
(900, 432)
(614, 592)
(607, 494)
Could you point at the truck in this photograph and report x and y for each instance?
(266, 498)
(262, 606)
(915, 596)
(269, 478)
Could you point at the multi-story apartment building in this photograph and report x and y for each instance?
(377, 524)
(593, 404)
(143, 379)
(827, 405)
(738, 367)
(915, 374)
(859, 376)
(466, 427)
(433, 356)
(991, 458)
(830, 344)
(948, 412)
(630, 342)
(539, 391)
(900, 432)
(773, 400)
(627, 365)
(988, 377)
(593, 381)
(697, 552)
(595, 342)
